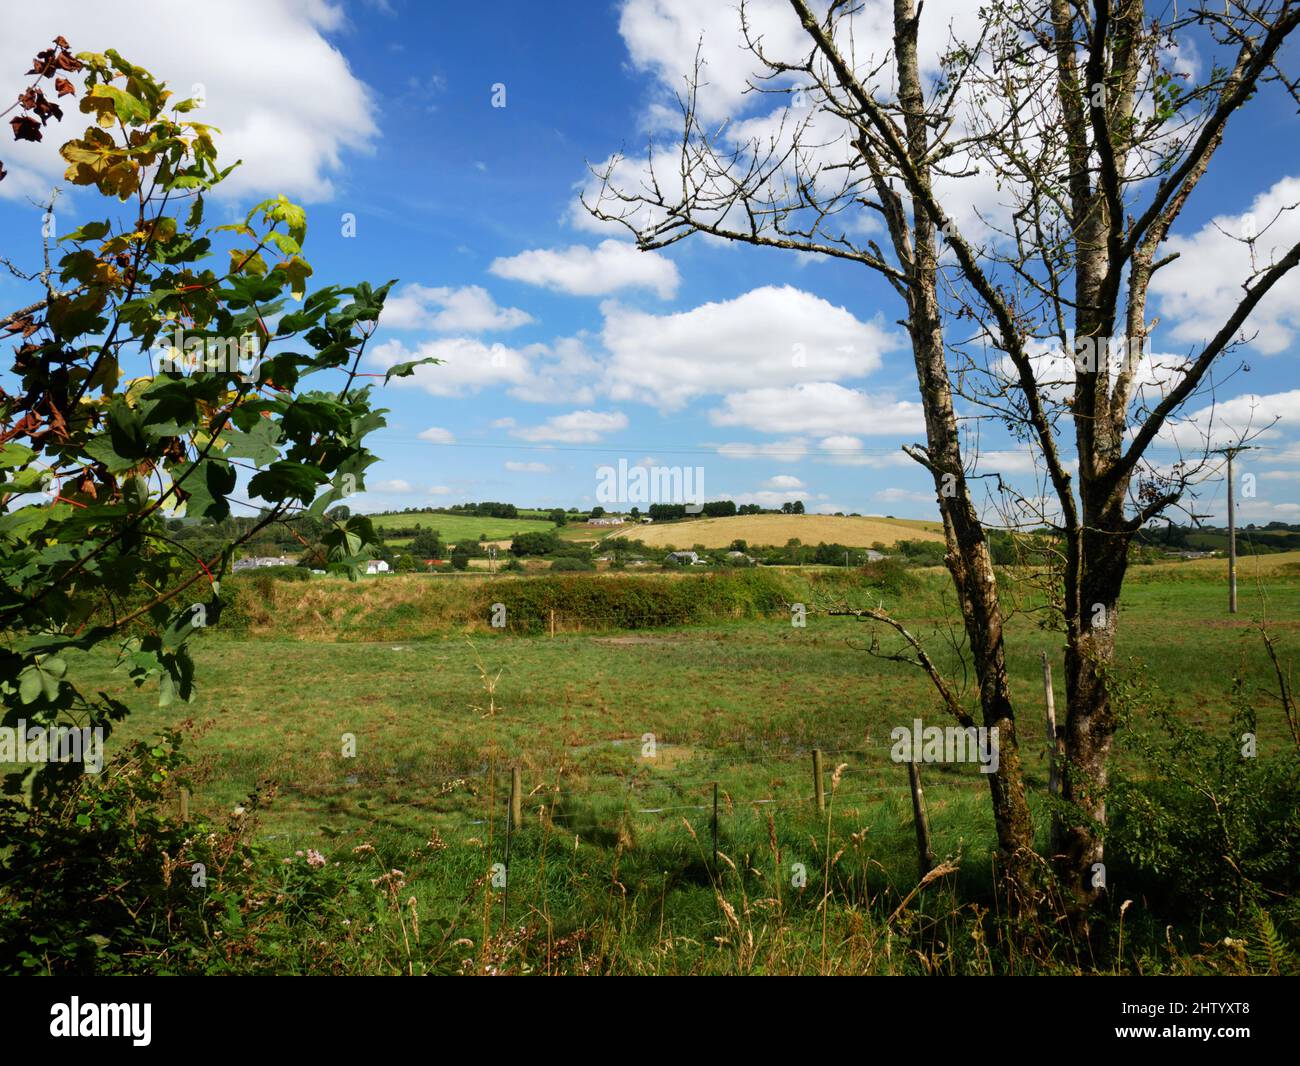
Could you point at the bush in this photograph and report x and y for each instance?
(637, 602)
(890, 575)
(543, 543)
(572, 563)
(923, 552)
(1206, 831)
(103, 881)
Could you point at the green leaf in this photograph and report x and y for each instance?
(405, 370)
(258, 444)
(285, 480)
(208, 486)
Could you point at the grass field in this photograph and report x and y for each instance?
(455, 528)
(613, 858)
(777, 529)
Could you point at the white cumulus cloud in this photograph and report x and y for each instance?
(581, 271)
(279, 91)
(468, 309)
(778, 335)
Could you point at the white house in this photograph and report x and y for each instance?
(376, 566)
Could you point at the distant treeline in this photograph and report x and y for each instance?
(1265, 539)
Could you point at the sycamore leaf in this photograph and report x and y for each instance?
(405, 370)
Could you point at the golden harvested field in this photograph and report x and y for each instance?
(777, 529)
(1249, 567)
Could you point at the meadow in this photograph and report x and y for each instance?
(622, 737)
(457, 527)
(778, 529)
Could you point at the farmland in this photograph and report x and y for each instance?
(457, 527)
(777, 529)
(614, 851)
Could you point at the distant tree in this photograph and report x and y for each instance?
(598, 512)
(571, 563)
(427, 544)
(558, 517)
(539, 543)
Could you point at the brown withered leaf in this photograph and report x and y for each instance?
(34, 100)
(65, 87)
(44, 63)
(25, 128)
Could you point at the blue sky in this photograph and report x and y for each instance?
(566, 348)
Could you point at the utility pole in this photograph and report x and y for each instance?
(1230, 452)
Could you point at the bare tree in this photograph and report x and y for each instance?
(1098, 142)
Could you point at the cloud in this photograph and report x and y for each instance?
(662, 39)
(784, 483)
(469, 309)
(581, 271)
(779, 335)
(1199, 290)
(662, 36)
(527, 468)
(1017, 461)
(846, 450)
(1260, 511)
(577, 427)
(791, 449)
(766, 497)
(468, 365)
(292, 141)
(1246, 417)
(897, 495)
(437, 435)
(818, 406)
(396, 485)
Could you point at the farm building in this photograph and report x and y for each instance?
(683, 558)
(258, 562)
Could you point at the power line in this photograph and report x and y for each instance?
(760, 451)
(754, 451)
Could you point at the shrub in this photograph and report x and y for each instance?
(103, 882)
(1198, 826)
(890, 575)
(541, 543)
(637, 602)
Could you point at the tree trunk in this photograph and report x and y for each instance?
(968, 558)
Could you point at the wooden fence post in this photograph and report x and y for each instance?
(552, 623)
(183, 804)
(516, 797)
(925, 855)
(819, 787)
(1053, 769)
(715, 827)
